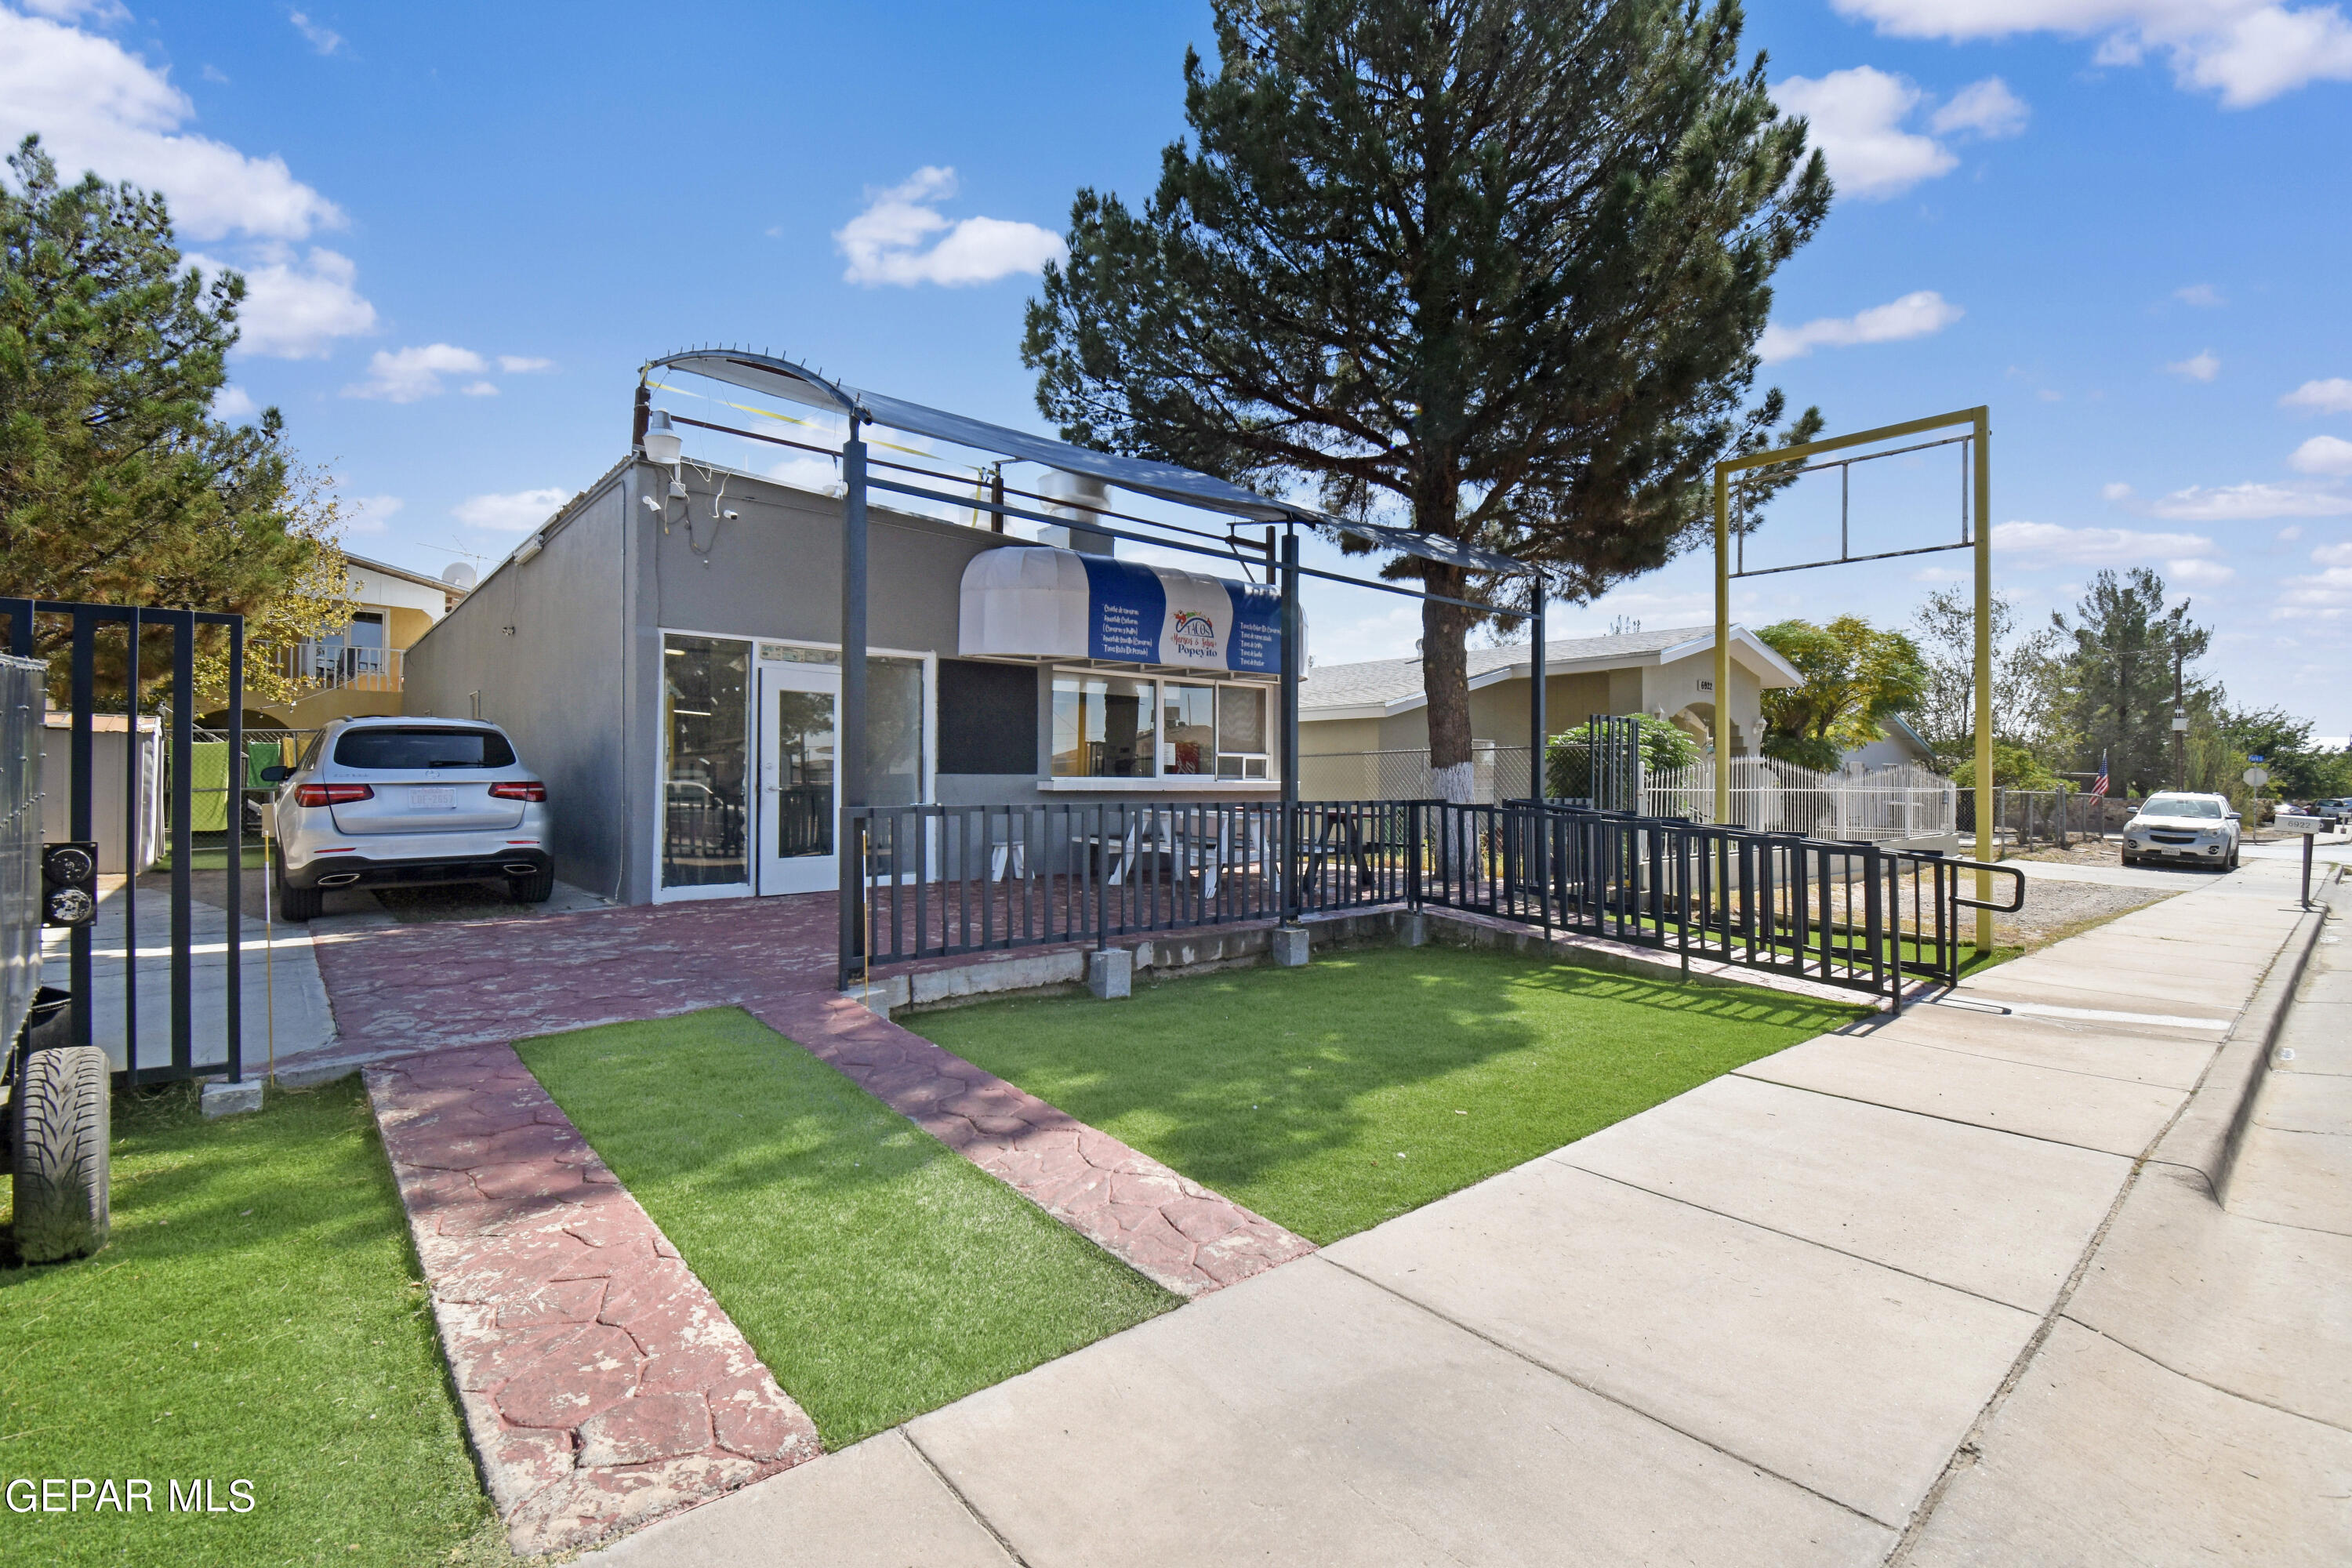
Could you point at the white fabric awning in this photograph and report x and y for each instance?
(1037, 602)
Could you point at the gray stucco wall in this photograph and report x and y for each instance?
(541, 641)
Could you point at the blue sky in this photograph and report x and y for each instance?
(2123, 223)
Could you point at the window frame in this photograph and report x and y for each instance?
(1159, 778)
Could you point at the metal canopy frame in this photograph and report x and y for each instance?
(776, 377)
(1977, 536)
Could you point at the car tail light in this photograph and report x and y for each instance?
(531, 790)
(330, 794)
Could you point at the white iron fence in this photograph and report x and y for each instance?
(1882, 806)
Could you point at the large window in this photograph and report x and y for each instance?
(1127, 727)
(706, 711)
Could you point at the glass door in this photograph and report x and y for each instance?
(797, 804)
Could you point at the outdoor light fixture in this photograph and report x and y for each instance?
(532, 546)
(663, 443)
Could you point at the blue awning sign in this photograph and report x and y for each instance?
(1037, 602)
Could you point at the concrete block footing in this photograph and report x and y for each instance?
(1412, 931)
(231, 1098)
(1110, 973)
(1289, 949)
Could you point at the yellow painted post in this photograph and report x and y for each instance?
(1985, 844)
(1722, 646)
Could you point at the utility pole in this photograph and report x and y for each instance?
(2179, 727)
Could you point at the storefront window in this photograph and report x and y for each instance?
(705, 710)
(1103, 727)
(894, 731)
(1189, 723)
(1241, 732)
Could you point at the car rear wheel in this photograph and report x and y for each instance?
(62, 1120)
(300, 905)
(535, 888)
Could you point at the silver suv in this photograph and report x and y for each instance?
(397, 801)
(2201, 829)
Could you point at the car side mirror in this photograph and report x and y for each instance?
(2235, 817)
(274, 774)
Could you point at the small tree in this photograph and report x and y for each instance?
(1856, 678)
(2113, 676)
(1945, 715)
(117, 486)
(1498, 267)
(1567, 759)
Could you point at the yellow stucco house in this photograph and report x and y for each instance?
(362, 672)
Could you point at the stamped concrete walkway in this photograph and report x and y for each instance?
(1848, 1305)
(602, 1384)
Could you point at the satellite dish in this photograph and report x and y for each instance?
(459, 575)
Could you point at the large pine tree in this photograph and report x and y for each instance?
(1494, 270)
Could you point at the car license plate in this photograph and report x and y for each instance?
(429, 797)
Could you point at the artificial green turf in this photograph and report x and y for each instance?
(256, 1316)
(1333, 1097)
(877, 1274)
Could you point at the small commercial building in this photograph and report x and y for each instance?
(666, 652)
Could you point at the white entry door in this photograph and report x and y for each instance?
(798, 802)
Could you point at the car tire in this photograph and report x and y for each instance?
(535, 888)
(300, 905)
(61, 1119)
(2129, 858)
(2231, 864)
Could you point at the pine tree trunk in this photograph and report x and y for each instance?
(1445, 682)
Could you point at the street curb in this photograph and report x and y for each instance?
(2212, 1129)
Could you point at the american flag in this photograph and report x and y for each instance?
(2099, 787)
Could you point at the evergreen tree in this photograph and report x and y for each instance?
(2113, 676)
(117, 486)
(1495, 269)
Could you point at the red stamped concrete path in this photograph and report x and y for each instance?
(602, 1384)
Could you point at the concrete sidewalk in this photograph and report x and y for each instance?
(1913, 1292)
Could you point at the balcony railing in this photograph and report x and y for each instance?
(323, 667)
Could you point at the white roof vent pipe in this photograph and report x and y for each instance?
(1077, 498)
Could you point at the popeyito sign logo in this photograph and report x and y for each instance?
(1195, 635)
(72, 1494)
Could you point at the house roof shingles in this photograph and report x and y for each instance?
(1380, 681)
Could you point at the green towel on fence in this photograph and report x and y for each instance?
(208, 787)
(258, 754)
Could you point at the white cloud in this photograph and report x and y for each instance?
(2245, 51)
(105, 12)
(404, 375)
(234, 403)
(1914, 315)
(2289, 534)
(2324, 455)
(2202, 295)
(2115, 491)
(522, 364)
(1986, 108)
(2319, 596)
(808, 472)
(2199, 366)
(901, 238)
(2196, 573)
(2049, 544)
(96, 106)
(1856, 116)
(326, 40)
(2332, 396)
(295, 307)
(2331, 555)
(511, 513)
(368, 514)
(2249, 503)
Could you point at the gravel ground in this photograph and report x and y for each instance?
(2055, 909)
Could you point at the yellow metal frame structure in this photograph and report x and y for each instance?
(1979, 420)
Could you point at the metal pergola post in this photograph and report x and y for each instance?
(1539, 716)
(849, 738)
(1290, 891)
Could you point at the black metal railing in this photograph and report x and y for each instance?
(943, 880)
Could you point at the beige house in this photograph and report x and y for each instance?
(363, 670)
(1378, 707)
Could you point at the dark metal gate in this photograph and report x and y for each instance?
(140, 624)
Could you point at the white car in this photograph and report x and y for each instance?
(399, 802)
(2199, 830)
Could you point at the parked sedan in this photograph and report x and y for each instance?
(399, 802)
(2198, 829)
